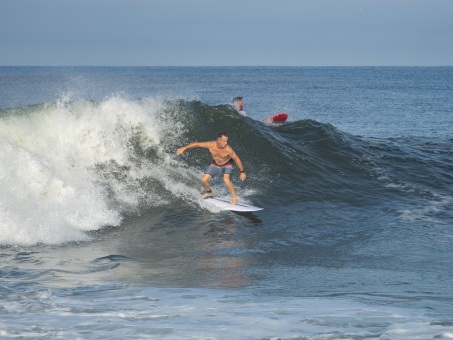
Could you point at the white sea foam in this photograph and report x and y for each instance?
(208, 314)
(69, 167)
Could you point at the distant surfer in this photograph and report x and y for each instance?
(275, 118)
(223, 156)
(239, 103)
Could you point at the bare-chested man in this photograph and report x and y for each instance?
(223, 156)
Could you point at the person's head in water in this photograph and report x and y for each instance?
(239, 102)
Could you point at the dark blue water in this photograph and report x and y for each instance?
(104, 233)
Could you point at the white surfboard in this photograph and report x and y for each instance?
(225, 205)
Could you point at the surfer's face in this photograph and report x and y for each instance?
(240, 104)
(222, 142)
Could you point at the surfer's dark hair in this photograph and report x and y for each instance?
(221, 134)
(237, 99)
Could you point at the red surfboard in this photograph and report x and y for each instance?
(277, 118)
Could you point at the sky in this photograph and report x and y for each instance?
(226, 33)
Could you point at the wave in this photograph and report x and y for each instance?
(70, 167)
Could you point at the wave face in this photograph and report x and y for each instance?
(71, 167)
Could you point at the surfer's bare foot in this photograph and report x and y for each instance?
(207, 194)
(234, 200)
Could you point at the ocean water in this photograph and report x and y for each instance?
(103, 234)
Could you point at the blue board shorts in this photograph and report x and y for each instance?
(214, 169)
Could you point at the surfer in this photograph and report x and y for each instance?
(223, 156)
(275, 118)
(239, 103)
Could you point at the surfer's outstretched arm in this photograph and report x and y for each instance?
(193, 145)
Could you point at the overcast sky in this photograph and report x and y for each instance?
(226, 33)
